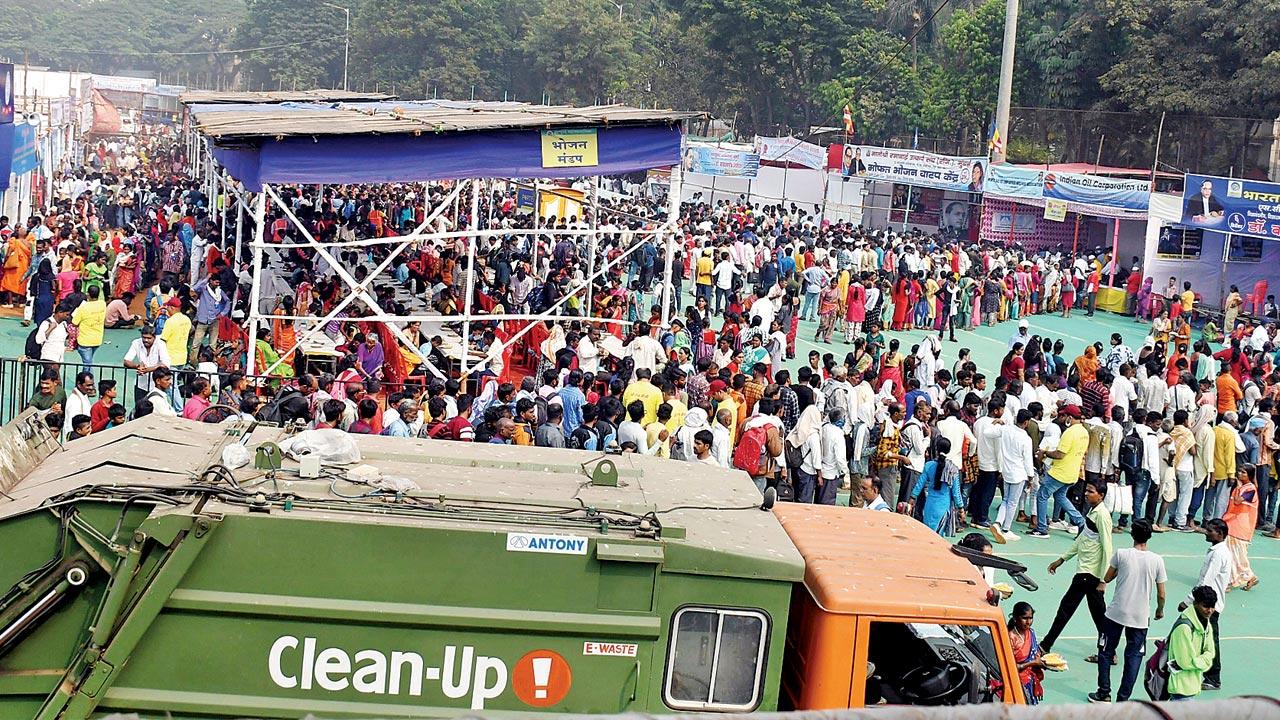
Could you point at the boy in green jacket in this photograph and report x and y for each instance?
(1191, 645)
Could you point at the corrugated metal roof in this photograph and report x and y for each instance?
(381, 118)
(218, 96)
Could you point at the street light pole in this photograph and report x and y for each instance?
(1006, 79)
(346, 40)
(619, 6)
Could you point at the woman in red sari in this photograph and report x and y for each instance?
(901, 290)
(1027, 652)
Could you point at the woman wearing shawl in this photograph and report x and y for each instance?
(1184, 441)
(694, 421)
(43, 288)
(1241, 518)
(940, 483)
(1143, 302)
(554, 343)
(125, 271)
(1087, 364)
(1027, 652)
(804, 442)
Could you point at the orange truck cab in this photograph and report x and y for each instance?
(887, 614)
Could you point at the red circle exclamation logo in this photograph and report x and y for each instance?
(541, 678)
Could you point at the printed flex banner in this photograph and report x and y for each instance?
(1242, 207)
(711, 160)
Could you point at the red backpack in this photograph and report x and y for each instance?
(749, 455)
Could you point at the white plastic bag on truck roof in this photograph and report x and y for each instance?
(334, 447)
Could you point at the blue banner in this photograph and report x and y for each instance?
(1008, 181)
(25, 158)
(6, 153)
(6, 93)
(1242, 207)
(709, 160)
(1099, 191)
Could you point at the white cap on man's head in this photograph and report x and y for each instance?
(1023, 324)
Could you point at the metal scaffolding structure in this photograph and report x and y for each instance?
(233, 194)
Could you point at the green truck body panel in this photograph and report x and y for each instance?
(506, 582)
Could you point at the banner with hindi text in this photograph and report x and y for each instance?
(1240, 207)
(915, 167)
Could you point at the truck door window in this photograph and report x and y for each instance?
(932, 664)
(716, 660)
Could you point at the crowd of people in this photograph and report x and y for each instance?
(1178, 434)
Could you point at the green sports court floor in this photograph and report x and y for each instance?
(1250, 623)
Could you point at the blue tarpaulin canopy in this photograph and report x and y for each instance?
(403, 141)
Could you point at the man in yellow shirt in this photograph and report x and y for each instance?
(644, 391)
(1189, 300)
(90, 317)
(702, 275)
(1226, 443)
(720, 396)
(177, 330)
(1064, 472)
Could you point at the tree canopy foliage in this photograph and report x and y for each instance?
(766, 66)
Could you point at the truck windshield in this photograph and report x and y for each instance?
(932, 664)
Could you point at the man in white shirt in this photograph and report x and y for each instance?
(1215, 572)
(588, 353)
(957, 433)
(835, 461)
(984, 490)
(1154, 393)
(52, 335)
(1122, 391)
(645, 352)
(146, 354)
(80, 401)
(158, 397)
(1017, 464)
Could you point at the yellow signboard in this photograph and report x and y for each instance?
(573, 147)
(1055, 210)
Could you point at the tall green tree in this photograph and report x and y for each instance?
(313, 34)
(775, 54)
(878, 81)
(581, 52)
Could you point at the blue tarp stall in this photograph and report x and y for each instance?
(379, 142)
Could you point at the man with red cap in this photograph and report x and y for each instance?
(722, 400)
(1065, 470)
(177, 330)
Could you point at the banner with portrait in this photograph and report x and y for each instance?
(923, 203)
(1180, 243)
(725, 162)
(1241, 207)
(914, 167)
(791, 150)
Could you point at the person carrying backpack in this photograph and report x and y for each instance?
(760, 445)
(1191, 645)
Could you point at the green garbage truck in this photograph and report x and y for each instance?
(179, 569)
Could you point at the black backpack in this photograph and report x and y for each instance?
(274, 410)
(32, 348)
(1130, 452)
